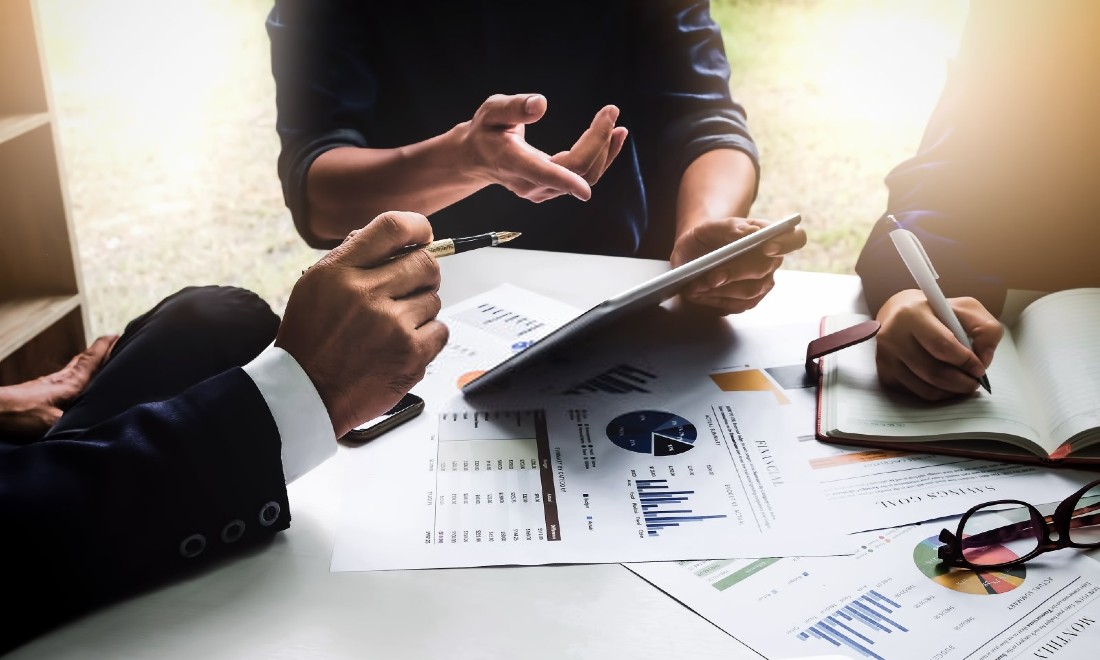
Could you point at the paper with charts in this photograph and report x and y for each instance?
(593, 461)
(892, 600)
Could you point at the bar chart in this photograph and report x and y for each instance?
(619, 379)
(663, 508)
(502, 322)
(858, 624)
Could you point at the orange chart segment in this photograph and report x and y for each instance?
(854, 457)
(749, 380)
(984, 583)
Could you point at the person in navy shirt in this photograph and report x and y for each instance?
(594, 127)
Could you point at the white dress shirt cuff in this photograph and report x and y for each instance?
(301, 417)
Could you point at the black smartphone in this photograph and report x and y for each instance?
(408, 407)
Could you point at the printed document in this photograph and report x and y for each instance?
(590, 458)
(893, 601)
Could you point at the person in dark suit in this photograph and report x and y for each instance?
(177, 439)
(437, 107)
(1002, 192)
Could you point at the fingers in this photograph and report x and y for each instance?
(501, 110)
(529, 171)
(381, 239)
(734, 297)
(984, 330)
(787, 243)
(362, 322)
(92, 358)
(589, 154)
(740, 284)
(597, 147)
(419, 308)
(708, 236)
(618, 139)
(501, 154)
(918, 353)
(25, 427)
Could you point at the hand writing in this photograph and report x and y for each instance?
(915, 352)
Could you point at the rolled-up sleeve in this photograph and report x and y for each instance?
(322, 87)
(685, 75)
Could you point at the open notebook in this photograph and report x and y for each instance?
(1045, 405)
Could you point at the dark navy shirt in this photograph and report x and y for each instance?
(383, 75)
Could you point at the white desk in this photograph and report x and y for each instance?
(282, 601)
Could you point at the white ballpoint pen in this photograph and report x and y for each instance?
(918, 263)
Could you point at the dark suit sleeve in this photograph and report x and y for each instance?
(151, 494)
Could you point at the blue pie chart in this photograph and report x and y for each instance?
(652, 432)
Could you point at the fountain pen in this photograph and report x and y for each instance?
(448, 246)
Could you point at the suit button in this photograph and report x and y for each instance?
(192, 546)
(270, 513)
(233, 531)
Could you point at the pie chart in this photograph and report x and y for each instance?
(652, 432)
(986, 582)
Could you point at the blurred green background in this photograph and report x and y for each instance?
(166, 115)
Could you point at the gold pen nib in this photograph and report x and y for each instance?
(504, 236)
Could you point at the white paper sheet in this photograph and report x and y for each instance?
(595, 460)
(891, 601)
(753, 457)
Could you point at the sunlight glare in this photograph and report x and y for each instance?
(891, 61)
(151, 68)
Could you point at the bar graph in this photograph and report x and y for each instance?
(502, 322)
(663, 509)
(619, 379)
(857, 624)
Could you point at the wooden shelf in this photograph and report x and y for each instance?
(12, 126)
(24, 319)
(43, 318)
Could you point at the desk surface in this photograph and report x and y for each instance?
(282, 601)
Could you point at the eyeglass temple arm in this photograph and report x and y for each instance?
(1006, 533)
(1012, 531)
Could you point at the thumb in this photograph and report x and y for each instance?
(984, 330)
(500, 110)
(381, 239)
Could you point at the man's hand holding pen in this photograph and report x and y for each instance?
(362, 323)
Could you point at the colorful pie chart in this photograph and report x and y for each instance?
(997, 581)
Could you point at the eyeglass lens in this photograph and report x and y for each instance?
(1084, 526)
(987, 540)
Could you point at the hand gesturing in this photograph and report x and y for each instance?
(499, 153)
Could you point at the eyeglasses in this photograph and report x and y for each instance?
(1074, 524)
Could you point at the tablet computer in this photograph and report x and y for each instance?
(652, 292)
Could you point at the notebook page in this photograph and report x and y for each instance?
(860, 406)
(1058, 337)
